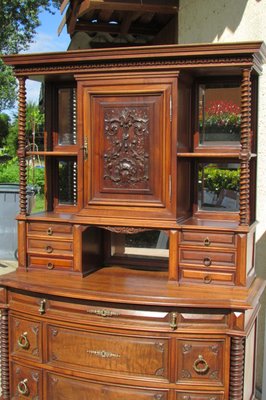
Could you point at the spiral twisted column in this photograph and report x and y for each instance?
(4, 354)
(245, 151)
(22, 145)
(237, 368)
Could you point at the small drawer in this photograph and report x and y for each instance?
(199, 396)
(26, 382)
(60, 387)
(50, 229)
(112, 353)
(207, 277)
(201, 361)
(57, 264)
(50, 247)
(207, 238)
(206, 258)
(26, 338)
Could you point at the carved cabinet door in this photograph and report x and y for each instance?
(128, 132)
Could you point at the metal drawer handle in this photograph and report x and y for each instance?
(200, 365)
(50, 265)
(104, 313)
(50, 231)
(207, 261)
(207, 241)
(42, 306)
(23, 388)
(207, 279)
(103, 354)
(49, 249)
(23, 341)
(173, 321)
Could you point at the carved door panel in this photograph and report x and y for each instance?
(129, 134)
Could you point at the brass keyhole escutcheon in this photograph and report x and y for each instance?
(50, 231)
(42, 306)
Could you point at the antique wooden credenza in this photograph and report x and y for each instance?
(138, 280)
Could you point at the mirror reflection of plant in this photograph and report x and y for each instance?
(216, 179)
(220, 113)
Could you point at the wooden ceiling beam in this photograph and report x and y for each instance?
(154, 6)
(72, 19)
(85, 26)
(129, 17)
(105, 15)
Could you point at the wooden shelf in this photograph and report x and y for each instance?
(212, 155)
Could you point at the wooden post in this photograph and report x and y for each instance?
(21, 146)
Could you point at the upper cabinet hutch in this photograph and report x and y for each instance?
(138, 279)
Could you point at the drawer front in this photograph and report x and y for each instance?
(50, 263)
(207, 277)
(50, 229)
(26, 382)
(208, 239)
(201, 361)
(199, 396)
(207, 258)
(108, 353)
(94, 314)
(50, 247)
(60, 387)
(26, 338)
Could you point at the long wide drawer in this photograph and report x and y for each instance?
(50, 229)
(140, 357)
(208, 238)
(61, 387)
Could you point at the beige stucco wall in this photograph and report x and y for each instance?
(231, 21)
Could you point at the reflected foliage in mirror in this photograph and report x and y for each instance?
(219, 113)
(218, 186)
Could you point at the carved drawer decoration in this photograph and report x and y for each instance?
(201, 361)
(133, 356)
(26, 383)
(26, 338)
(199, 396)
(70, 388)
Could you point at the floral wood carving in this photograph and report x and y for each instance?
(126, 160)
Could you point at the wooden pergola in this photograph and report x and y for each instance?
(139, 21)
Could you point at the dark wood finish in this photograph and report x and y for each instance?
(82, 320)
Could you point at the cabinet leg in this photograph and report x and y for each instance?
(237, 368)
(4, 355)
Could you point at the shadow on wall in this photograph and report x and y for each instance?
(261, 272)
(209, 18)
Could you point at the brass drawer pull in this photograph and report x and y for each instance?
(207, 242)
(200, 365)
(207, 261)
(42, 307)
(49, 249)
(23, 341)
(173, 321)
(104, 313)
(23, 388)
(50, 265)
(103, 354)
(207, 279)
(50, 231)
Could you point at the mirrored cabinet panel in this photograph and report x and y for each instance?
(219, 113)
(67, 123)
(218, 186)
(66, 171)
